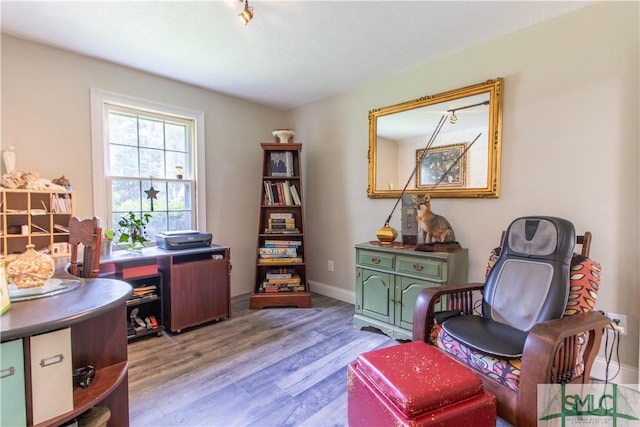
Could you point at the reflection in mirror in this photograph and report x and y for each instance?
(464, 158)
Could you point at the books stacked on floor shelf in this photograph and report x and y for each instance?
(282, 280)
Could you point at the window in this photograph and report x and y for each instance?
(145, 161)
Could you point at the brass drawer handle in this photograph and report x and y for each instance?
(7, 372)
(418, 267)
(48, 361)
(375, 260)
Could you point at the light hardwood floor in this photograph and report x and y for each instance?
(270, 367)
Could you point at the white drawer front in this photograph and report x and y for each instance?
(51, 374)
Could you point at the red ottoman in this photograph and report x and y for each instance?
(415, 384)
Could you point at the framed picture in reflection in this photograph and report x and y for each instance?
(445, 166)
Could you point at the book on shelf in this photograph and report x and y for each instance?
(280, 194)
(281, 215)
(281, 163)
(293, 280)
(270, 289)
(294, 195)
(270, 198)
(268, 195)
(272, 251)
(61, 203)
(135, 298)
(280, 260)
(281, 270)
(282, 244)
(61, 228)
(279, 273)
(281, 227)
(275, 276)
(282, 287)
(281, 231)
(282, 221)
(144, 289)
(271, 256)
(286, 193)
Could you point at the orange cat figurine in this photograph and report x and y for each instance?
(435, 228)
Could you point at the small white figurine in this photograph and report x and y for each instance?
(9, 158)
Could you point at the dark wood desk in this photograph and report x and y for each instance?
(196, 283)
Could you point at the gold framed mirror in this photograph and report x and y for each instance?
(464, 158)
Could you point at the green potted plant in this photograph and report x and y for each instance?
(133, 231)
(107, 240)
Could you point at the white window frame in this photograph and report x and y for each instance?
(100, 142)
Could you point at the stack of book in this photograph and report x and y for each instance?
(281, 222)
(282, 280)
(143, 293)
(280, 251)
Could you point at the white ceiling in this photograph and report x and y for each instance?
(292, 53)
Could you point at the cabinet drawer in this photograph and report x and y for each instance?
(12, 387)
(432, 269)
(376, 259)
(51, 375)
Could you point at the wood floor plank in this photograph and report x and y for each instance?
(269, 368)
(312, 373)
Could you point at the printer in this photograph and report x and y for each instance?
(183, 239)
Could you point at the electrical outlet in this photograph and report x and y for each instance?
(619, 322)
(330, 265)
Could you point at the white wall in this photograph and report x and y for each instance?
(570, 149)
(46, 116)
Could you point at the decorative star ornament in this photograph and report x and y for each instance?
(152, 194)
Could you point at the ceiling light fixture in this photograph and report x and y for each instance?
(247, 14)
(454, 118)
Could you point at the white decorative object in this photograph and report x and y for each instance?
(284, 135)
(9, 158)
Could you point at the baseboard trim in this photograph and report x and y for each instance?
(628, 374)
(333, 292)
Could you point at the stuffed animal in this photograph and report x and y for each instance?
(435, 228)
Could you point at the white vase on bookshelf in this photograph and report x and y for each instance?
(283, 136)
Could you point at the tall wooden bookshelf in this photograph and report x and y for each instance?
(280, 278)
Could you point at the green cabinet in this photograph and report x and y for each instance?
(389, 280)
(379, 289)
